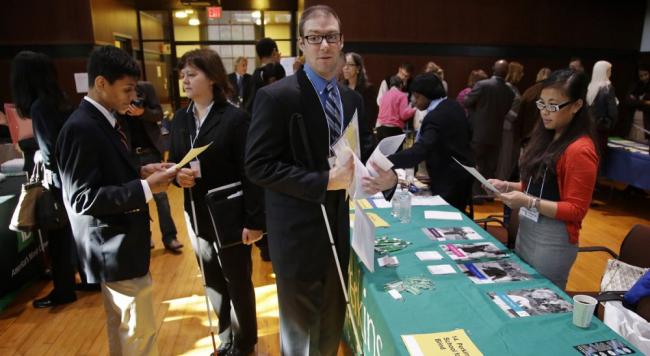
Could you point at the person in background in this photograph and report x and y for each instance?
(298, 63)
(241, 81)
(394, 110)
(432, 67)
(558, 175)
(105, 193)
(210, 118)
(474, 76)
(488, 102)
(37, 95)
(445, 135)
(638, 100)
(602, 103)
(267, 51)
(404, 72)
(575, 63)
(144, 118)
(509, 152)
(528, 114)
(355, 77)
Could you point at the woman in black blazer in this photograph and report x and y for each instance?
(210, 118)
(37, 95)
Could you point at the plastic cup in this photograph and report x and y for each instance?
(583, 310)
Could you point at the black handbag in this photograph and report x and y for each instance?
(226, 207)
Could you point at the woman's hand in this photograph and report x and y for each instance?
(185, 178)
(516, 199)
(248, 237)
(501, 185)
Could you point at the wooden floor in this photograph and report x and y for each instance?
(179, 305)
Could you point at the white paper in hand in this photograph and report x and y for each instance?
(385, 148)
(479, 177)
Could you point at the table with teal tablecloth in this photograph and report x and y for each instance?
(455, 303)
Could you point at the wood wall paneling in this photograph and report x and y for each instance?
(112, 17)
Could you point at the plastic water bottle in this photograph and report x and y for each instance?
(395, 202)
(405, 207)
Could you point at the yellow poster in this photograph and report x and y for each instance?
(451, 343)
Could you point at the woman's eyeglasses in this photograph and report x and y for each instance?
(551, 107)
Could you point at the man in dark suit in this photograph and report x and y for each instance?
(444, 134)
(148, 145)
(267, 51)
(295, 122)
(488, 103)
(241, 82)
(106, 193)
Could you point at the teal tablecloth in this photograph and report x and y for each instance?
(456, 302)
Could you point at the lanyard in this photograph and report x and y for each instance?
(543, 181)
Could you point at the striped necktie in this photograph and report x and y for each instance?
(122, 135)
(332, 113)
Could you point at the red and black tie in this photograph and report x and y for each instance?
(122, 134)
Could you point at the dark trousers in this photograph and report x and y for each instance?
(228, 275)
(61, 247)
(387, 131)
(165, 221)
(487, 158)
(311, 314)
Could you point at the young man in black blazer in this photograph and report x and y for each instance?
(295, 122)
(106, 193)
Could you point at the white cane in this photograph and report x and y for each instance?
(205, 286)
(343, 286)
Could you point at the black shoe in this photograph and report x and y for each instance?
(222, 349)
(49, 302)
(88, 287)
(173, 245)
(235, 351)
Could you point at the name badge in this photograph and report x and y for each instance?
(196, 167)
(531, 214)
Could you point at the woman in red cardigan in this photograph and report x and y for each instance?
(558, 174)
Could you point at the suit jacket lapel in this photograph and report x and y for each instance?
(211, 121)
(314, 116)
(111, 134)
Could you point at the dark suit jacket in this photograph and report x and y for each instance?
(152, 115)
(488, 103)
(295, 183)
(444, 133)
(247, 83)
(222, 163)
(104, 198)
(48, 121)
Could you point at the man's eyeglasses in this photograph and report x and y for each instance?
(318, 39)
(551, 107)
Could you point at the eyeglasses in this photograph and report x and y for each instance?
(551, 107)
(350, 65)
(318, 39)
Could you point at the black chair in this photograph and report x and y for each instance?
(635, 250)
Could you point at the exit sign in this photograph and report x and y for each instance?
(214, 12)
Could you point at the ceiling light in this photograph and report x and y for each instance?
(256, 14)
(189, 11)
(258, 22)
(194, 21)
(180, 14)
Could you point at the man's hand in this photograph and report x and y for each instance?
(134, 110)
(149, 169)
(386, 179)
(248, 237)
(341, 176)
(159, 180)
(185, 178)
